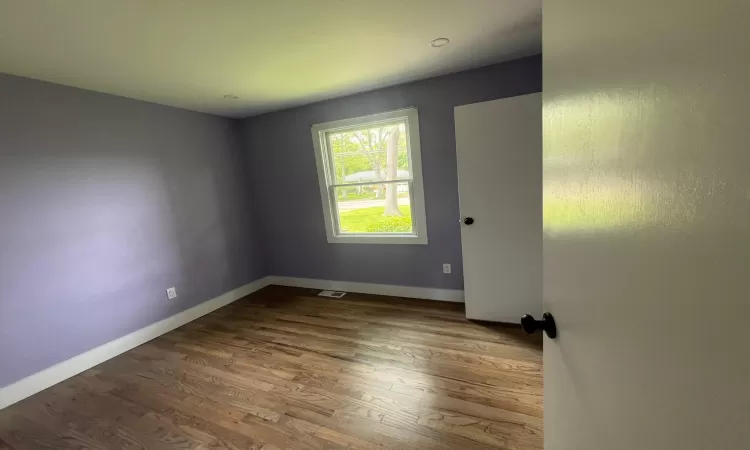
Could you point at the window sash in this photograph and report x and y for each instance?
(367, 126)
(369, 183)
(337, 218)
(330, 156)
(327, 181)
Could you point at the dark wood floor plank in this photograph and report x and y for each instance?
(284, 369)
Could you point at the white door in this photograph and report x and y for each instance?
(647, 224)
(499, 152)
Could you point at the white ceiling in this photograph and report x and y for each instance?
(272, 54)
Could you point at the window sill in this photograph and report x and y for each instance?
(360, 239)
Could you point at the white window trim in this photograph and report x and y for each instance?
(416, 187)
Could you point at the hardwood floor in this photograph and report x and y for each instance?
(283, 369)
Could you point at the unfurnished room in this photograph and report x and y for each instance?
(361, 224)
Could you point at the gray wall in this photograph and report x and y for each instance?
(104, 203)
(285, 186)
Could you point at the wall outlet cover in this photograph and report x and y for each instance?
(171, 293)
(446, 268)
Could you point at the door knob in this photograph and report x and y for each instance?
(469, 220)
(530, 324)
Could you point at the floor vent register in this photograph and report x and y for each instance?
(334, 294)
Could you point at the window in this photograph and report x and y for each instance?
(371, 179)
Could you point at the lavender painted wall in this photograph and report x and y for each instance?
(285, 186)
(104, 203)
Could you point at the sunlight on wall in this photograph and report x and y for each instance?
(590, 183)
(594, 204)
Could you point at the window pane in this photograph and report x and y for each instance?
(374, 208)
(377, 153)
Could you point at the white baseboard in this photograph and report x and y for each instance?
(39, 381)
(446, 295)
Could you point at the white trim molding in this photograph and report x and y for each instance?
(445, 295)
(50, 376)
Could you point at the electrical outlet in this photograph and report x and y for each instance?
(171, 293)
(446, 268)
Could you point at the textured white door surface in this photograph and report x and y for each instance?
(499, 153)
(647, 224)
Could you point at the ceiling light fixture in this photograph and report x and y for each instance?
(231, 97)
(440, 42)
